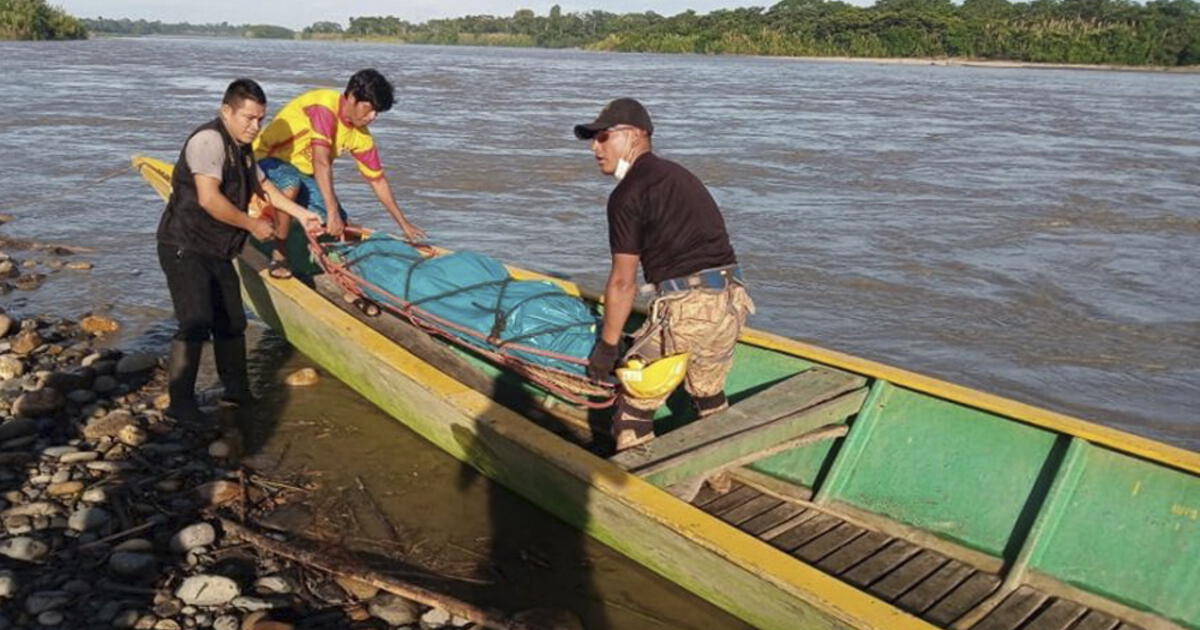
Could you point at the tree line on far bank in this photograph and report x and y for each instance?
(126, 26)
(34, 19)
(1158, 32)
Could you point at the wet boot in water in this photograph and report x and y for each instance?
(230, 357)
(182, 366)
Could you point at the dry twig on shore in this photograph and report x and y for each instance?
(485, 617)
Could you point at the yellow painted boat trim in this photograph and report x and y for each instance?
(839, 599)
(1115, 439)
(156, 172)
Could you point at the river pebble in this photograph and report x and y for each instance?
(394, 610)
(23, 548)
(131, 563)
(8, 584)
(193, 536)
(207, 590)
(86, 518)
(50, 618)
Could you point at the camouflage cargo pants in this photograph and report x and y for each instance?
(703, 322)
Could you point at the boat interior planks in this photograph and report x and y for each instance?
(828, 543)
(1096, 620)
(1061, 614)
(797, 536)
(931, 590)
(938, 589)
(909, 575)
(771, 518)
(750, 509)
(858, 550)
(963, 598)
(1016, 609)
(879, 564)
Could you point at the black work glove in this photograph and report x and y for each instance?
(602, 360)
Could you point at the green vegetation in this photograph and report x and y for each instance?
(1121, 32)
(322, 30)
(34, 19)
(126, 26)
(267, 31)
(1160, 32)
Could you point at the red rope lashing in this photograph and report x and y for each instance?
(434, 325)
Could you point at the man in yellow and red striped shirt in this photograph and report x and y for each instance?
(297, 149)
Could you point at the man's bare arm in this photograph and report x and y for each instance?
(383, 190)
(323, 173)
(219, 207)
(619, 294)
(281, 201)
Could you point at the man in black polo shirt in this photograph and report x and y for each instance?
(202, 228)
(661, 216)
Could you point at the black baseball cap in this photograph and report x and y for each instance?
(623, 111)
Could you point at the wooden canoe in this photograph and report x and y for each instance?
(853, 494)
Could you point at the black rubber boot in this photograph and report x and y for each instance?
(230, 356)
(182, 366)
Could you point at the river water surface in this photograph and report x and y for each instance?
(1031, 233)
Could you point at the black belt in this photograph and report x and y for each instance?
(715, 278)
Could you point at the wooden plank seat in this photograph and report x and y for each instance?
(806, 407)
(928, 584)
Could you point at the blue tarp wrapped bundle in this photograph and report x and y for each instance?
(476, 292)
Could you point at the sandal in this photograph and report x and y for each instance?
(368, 308)
(278, 269)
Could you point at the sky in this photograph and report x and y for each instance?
(301, 13)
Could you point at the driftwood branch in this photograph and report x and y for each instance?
(120, 534)
(485, 617)
(379, 513)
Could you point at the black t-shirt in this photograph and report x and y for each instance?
(664, 214)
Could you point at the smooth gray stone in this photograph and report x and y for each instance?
(42, 601)
(42, 402)
(8, 584)
(87, 518)
(132, 563)
(394, 610)
(135, 363)
(193, 536)
(251, 604)
(207, 590)
(58, 451)
(79, 457)
(50, 618)
(17, 427)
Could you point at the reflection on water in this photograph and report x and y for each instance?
(449, 518)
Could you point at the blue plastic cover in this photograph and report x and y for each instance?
(476, 292)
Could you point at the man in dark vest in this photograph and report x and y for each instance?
(203, 227)
(662, 217)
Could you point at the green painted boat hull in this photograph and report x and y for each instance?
(1085, 512)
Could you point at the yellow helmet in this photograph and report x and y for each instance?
(657, 379)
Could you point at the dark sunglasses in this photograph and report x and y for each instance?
(603, 135)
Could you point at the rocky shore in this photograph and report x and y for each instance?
(113, 515)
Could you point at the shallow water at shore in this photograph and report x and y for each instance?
(450, 518)
(1030, 233)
